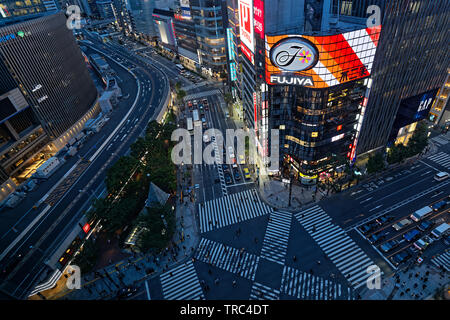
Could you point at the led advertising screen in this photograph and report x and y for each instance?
(246, 28)
(321, 61)
(185, 9)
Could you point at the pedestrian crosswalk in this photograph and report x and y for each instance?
(302, 285)
(227, 258)
(262, 292)
(203, 94)
(277, 236)
(181, 283)
(351, 261)
(442, 260)
(439, 141)
(441, 158)
(231, 209)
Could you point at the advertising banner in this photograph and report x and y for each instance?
(321, 61)
(258, 12)
(246, 28)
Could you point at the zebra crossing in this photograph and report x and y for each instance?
(227, 258)
(441, 158)
(202, 94)
(262, 292)
(231, 209)
(276, 239)
(302, 285)
(181, 283)
(351, 261)
(442, 260)
(439, 141)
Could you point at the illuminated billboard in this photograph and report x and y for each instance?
(185, 9)
(321, 61)
(246, 28)
(258, 13)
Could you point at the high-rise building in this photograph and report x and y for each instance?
(410, 66)
(15, 11)
(305, 71)
(123, 18)
(46, 94)
(141, 11)
(105, 9)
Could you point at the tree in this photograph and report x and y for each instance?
(228, 97)
(115, 214)
(156, 234)
(397, 153)
(87, 257)
(419, 139)
(375, 163)
(119, 173)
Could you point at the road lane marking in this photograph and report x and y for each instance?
(148, 291)
(366, 200)
(376, 207)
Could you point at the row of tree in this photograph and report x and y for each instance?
(128, 179)
(399, 152)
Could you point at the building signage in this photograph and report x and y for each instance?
(86, 228)
(291, 80)
(258, 12)
(294, 54)
(7, 37)
(230, 41)
(185, 9)
(246, 24)
(328, 60)
(233, 73)
(246, 51)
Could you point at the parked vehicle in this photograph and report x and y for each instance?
(368, 227)
(237, 175)
(228, 179)
(225, 167)
(441, 231)
(401, 224)
(377, 237)
(388, 246)
(246, 174)
(421, 213)
(384, 219)
(423, 243)
(425, 225)
(400, 257)
(438, 206)
(411, 235)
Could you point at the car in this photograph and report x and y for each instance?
(228, 179)
(377, 237)
(384, 219)
(400, 257)
(225, 167)
(126, 292)
(237, 175)
(368, 227)
(389, 245)
(425, 225)
(411, 235)
(401, 224)
(241, 159)
(447, 240)
(246, 174)
(439, 205)
(423, 243)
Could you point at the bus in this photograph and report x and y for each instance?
(189, 125)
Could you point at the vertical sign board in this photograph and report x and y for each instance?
(246, 28)
(258, 12)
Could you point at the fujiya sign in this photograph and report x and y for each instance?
(294, 54)
(291, 80)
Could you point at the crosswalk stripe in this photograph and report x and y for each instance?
(442, 260)
(262, 292)
(302, 285)
(181, 283)
(348, 257)
(276, 238)
(441, 158)
(231, 209)
(227, 258)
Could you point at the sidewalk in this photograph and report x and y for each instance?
(276, 194)
(105, 283)
(419, 283)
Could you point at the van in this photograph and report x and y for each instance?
(421, 213)
(441, 176)
(441, 230)
(401, 224)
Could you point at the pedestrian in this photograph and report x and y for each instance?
(216, 281)
(256, 240)
(318, 262)
(294, 258)
(209, 271)
(234, 283)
